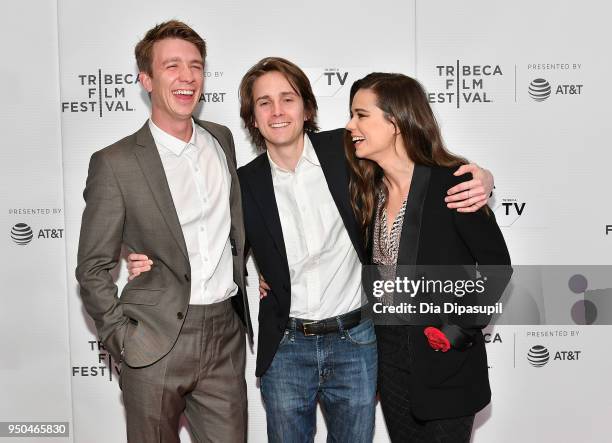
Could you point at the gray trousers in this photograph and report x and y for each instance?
(202, 376)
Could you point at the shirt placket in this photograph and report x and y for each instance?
(203, 235)
(311, 238)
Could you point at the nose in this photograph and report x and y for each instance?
(277, 108)
(351, 124)
(185, 74)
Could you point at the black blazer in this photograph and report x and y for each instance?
(453, 383)
(265, 236)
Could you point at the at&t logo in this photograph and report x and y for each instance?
(540, 89)
(538, 356)
(22, 234)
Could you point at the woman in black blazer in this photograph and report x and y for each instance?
(432, 378)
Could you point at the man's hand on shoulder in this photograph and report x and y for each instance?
(470, 195)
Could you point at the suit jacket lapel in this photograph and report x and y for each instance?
(151, 165)
(262, 190)
(237, 231)
(333, 164)
(411, 228)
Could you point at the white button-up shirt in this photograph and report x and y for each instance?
(200, 181)
(324, 268)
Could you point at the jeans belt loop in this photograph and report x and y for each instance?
(340, 325)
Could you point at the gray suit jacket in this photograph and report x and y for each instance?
(128, 202)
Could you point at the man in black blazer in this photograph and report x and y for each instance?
(313, 343)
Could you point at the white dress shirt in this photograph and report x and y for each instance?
(200, 181)
(324, 268)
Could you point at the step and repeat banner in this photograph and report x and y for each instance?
(521, 88)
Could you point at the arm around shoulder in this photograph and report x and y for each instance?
(484, 239)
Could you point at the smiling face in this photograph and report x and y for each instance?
(279, 111)
(175, 82)
(373, 134)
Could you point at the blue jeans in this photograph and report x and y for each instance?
(337, 369)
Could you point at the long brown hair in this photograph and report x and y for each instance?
(298, 81)
(404, 103)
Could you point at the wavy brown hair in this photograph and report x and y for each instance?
(298, 81)
(404, 103)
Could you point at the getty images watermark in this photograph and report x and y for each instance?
(417, 289)
(474, 296)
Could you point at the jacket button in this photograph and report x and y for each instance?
(186, 277)
(179, 315)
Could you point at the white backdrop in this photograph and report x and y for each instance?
(68, 82)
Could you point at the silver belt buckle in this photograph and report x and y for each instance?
(304, 325)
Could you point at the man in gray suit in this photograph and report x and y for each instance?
(171, 191)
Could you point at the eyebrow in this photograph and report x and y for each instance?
(360, 110)
(178, 59)
(283, 94)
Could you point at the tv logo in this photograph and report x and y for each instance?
(332, 77)
(509, 211)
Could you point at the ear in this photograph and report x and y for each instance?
(394, 123)
(255, 123)
(146, 81)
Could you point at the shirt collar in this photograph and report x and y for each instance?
(308, 154)
(170, 142)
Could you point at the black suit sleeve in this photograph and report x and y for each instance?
(483, 238)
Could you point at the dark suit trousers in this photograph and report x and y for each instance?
(202, 376)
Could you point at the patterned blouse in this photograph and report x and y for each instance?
(386, 244)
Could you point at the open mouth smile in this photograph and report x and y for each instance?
(279, 125)
(357, 139)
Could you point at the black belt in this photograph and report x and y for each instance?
(327, 325)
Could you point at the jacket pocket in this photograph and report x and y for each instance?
(149, 297)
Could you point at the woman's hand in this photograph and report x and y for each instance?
(263, 288)
(138, 263)
(471, 195)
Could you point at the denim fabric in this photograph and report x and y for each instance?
(338, 370)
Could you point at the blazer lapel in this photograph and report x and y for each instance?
(333, 164)
(223, 142)
(151, 165)
(411, 228)
(237, 232)
(262, 190)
